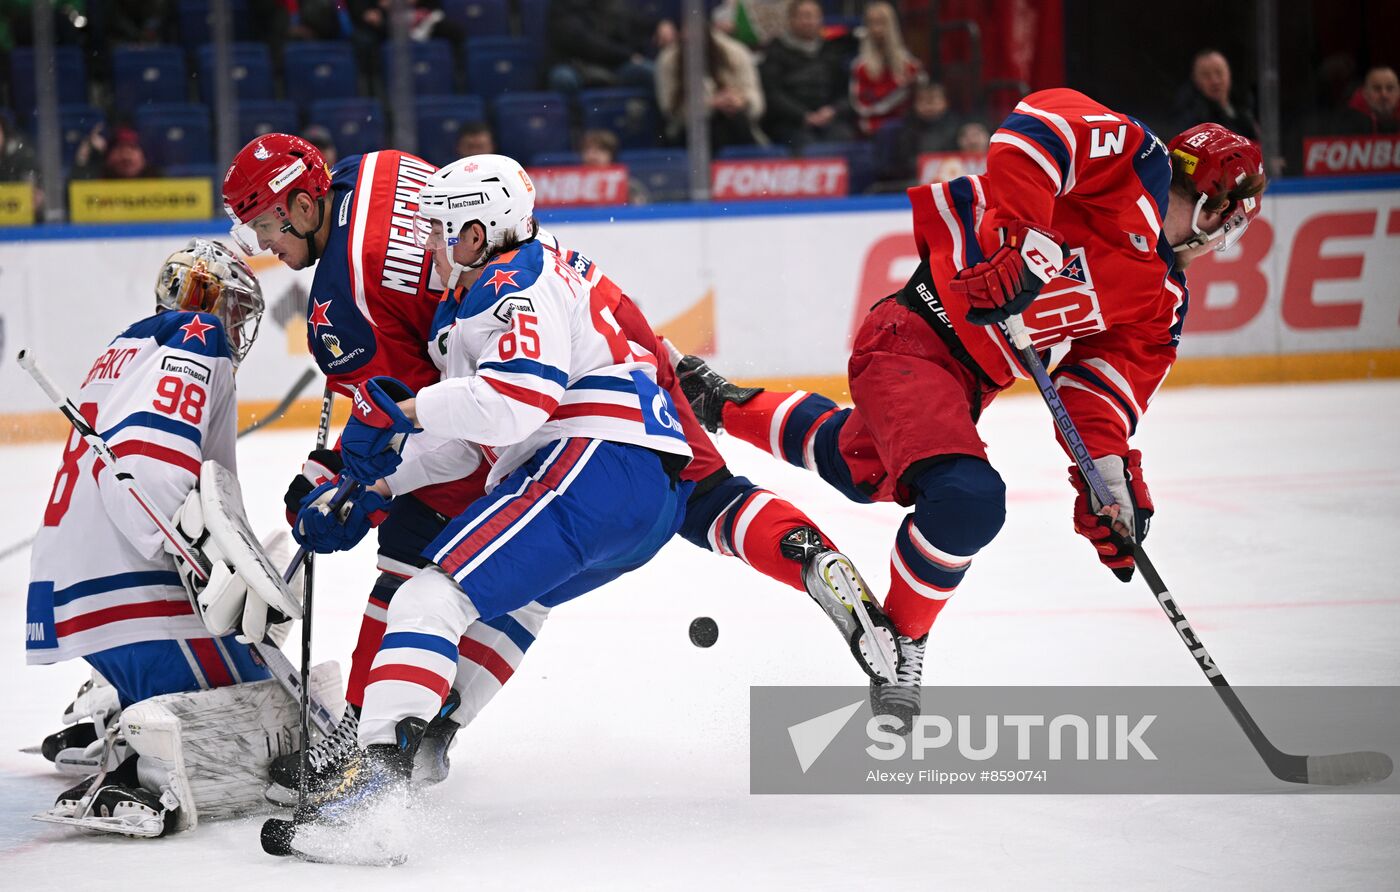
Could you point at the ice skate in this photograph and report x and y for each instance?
(431, 764)
(708, 391)
(115, 802)
(834, 583)
(901, 698)
(325, 761)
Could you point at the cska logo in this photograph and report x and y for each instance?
(261, 153)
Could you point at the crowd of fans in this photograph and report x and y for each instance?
(778, 74)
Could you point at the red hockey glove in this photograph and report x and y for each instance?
(1005, 285)
(1112, 534)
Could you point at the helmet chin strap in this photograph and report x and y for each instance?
(312, 255)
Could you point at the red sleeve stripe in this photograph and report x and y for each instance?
(524, 395)
(154, 451)
(577, 410)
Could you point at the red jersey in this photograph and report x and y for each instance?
(879, 100)
(371, 305)
(1101, 179)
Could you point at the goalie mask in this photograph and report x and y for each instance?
(206, 277)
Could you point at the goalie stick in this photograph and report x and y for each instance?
(293, 394)
(1336, 769)
(276, 661)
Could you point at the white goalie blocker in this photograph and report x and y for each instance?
(245, 579)
(204, 754)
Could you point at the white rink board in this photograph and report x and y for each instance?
(1319, 272)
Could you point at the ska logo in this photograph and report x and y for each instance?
(1068, 307)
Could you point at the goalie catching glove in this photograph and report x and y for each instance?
(1113, 532)
(243, 584)
(1005, 284)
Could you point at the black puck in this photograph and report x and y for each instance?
(277, 837)
(704, 632)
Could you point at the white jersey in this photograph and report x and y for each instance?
(162, 397)
(531, 354)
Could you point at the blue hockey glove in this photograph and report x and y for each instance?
(318, 530)
(376, 431)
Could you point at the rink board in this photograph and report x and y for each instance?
(773, 291)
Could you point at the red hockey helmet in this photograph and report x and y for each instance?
(263, 176)
(1216, 160)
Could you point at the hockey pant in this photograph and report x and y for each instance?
(575, 516)
(911, 439)
(148, 668)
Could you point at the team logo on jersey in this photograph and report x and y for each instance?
(261, 153)
(319, 315)
(1074, 270)
(332, 344)
(196, 328)
(186, 367)
(503, 277)
(506, 309)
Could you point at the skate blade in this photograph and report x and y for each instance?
(870, 633)
(280, 795)
(148, 828)
(35, 750)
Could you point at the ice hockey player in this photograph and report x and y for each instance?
(198, 723)
(727, 514)
(1083, 226)
(368, 313)
(585, 458)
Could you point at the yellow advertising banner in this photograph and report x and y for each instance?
(123, 201)
(16, 204)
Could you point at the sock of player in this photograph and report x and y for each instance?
(489, 654)
(959, 507)
(753, 527)
(392, 574)
(417, 660)
(784, 424)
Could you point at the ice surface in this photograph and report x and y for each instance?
(618, 756)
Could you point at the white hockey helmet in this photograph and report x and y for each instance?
(492, 190)
(207, 277)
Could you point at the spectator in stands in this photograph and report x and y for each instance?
(322, 139)
(1209, 97)
(885, 73)
(317, 19)
(598, 148)
(16, 157)
(120, 157)
(475, 138)
(732, 92)
(1372, 109)
(929, 127)
(369, 28)
(974, 138)
(602, 43)
(805, 82)
(139, 21)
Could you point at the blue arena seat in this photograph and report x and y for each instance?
(195, 27)
(556, 159)
(440, 118)
(534, 21)
(481, 18)
(527, 123)
(175, 133)
(147, 75)
(320, 69)
(498, 65)
(750, 153)
(71, 74)
(251, 71)
(664, 173)
(434, 71)
(75, 122)
(261, 116)
(357, 125)
(628, 112)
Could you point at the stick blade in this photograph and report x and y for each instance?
(1346, 769)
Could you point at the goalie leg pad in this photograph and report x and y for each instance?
(211, 749)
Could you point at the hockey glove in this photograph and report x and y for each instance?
(1132, 515)
(220, 599)
(1004, 285)
(321, 465)
(375, 433)
(318, 530)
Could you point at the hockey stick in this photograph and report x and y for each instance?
(1337, 769)
(300, 384)
(272, 417)
(277, 662)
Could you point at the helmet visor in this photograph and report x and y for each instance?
(194, 287)
(256, 236)
(431, 234)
